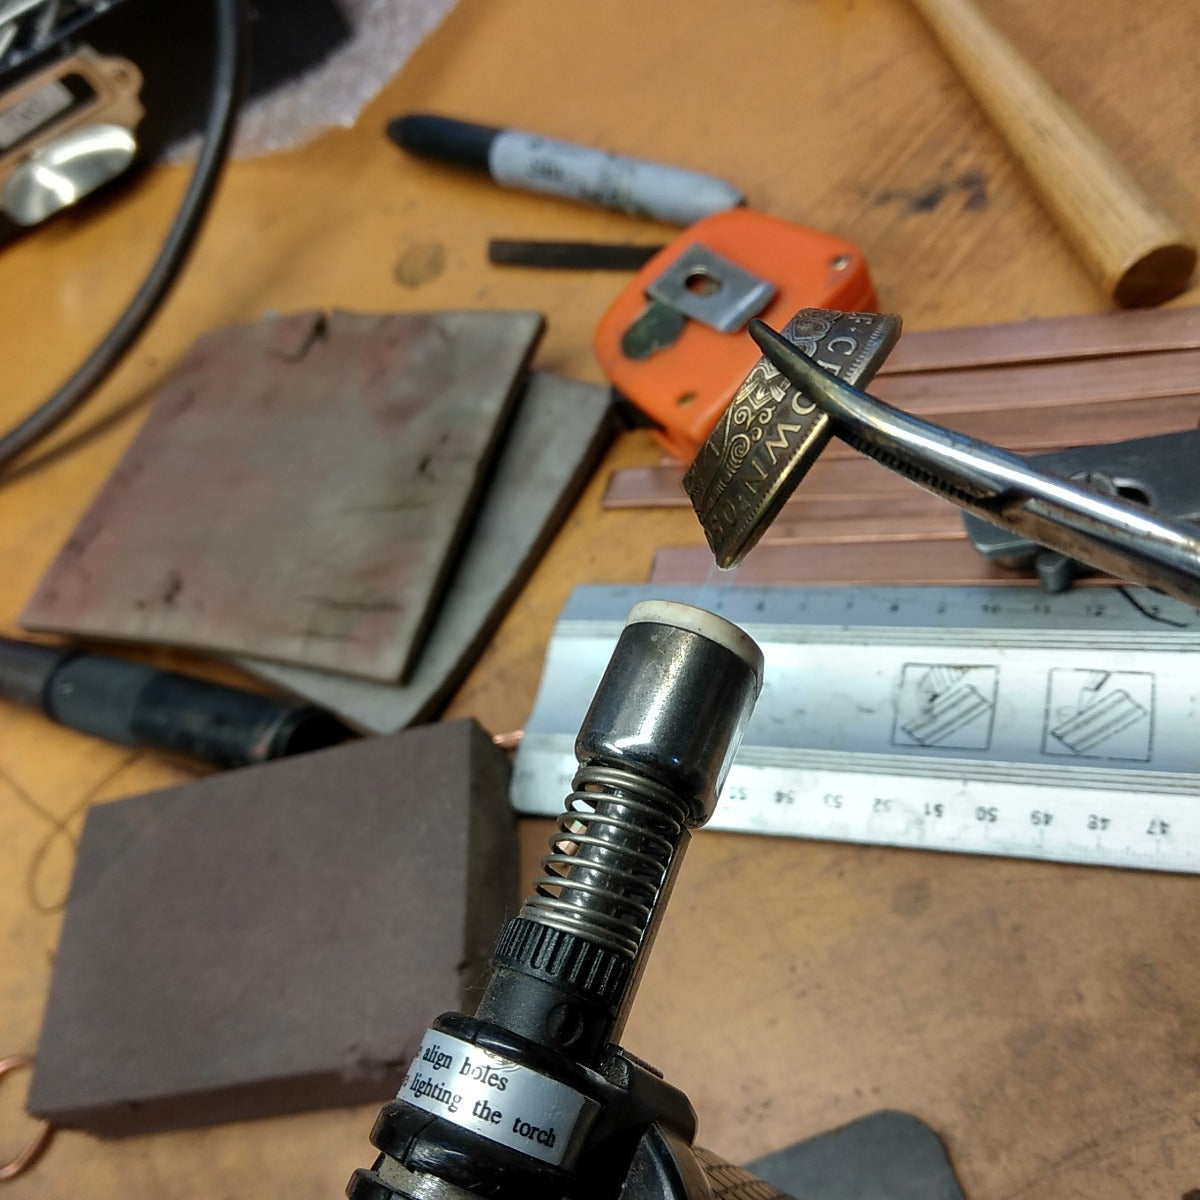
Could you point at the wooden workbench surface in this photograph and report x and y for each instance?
(1043, 1018)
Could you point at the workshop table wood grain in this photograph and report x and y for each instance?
(1044, 1018)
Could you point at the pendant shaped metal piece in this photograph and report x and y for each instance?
(771, 434)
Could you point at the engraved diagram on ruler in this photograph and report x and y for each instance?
(1099, 714)
(947, 705)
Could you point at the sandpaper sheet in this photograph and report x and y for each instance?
(277, 938)
(559, 430)
(298, 490)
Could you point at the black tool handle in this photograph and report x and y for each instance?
(664, 1168)
(733, 1183)
(137, 705)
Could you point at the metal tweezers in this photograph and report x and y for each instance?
(1108, 533)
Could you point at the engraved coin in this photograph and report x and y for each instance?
(771, 434)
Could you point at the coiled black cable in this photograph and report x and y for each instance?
(228, 72)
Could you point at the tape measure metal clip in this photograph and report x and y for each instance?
(672, 341)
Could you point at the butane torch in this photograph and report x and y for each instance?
(532, 1098)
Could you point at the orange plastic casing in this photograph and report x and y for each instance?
(685, 387)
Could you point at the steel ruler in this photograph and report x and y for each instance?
(983, 720)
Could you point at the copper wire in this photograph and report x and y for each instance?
(37, 1146)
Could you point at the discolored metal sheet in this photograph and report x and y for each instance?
(298, 490)
(557, 434)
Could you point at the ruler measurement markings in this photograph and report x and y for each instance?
(1039, 732)
(1094, 825)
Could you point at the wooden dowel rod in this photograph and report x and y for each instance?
(1137, 253)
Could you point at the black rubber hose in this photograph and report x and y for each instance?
(229, 68)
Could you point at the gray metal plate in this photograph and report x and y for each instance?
(560, 428)
(884, 1156)
(732, 295)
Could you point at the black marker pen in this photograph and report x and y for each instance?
(540, 164)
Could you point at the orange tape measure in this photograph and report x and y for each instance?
(674, 341)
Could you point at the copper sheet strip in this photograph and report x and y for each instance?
(910, 517)
(950, 562)
(1034, 431)
(1031, 387)
(841, 471)
(28, 1155)
(855, 478)
(660, 487)
(646, 487)
(1043, 385)
(1090, 336)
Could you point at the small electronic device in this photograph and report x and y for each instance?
(88, 88)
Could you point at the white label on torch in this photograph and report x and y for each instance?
(497, 1098)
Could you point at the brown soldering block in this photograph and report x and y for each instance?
(275, 939)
